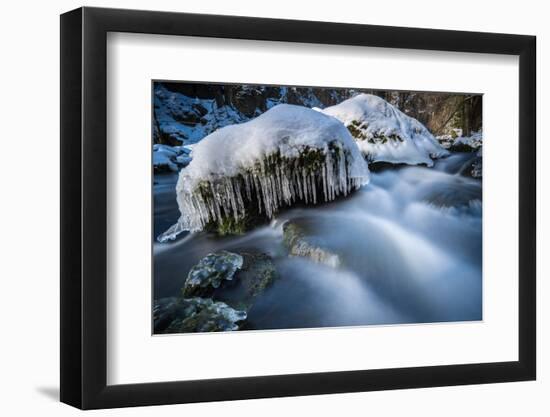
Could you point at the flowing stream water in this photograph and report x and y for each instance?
(410, 245)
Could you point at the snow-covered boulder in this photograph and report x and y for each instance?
(180, 119)
(384, 133)
(288, 154)
(470, 143)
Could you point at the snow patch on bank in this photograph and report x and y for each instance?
(474, 141)
(170, 158)
(189, 119)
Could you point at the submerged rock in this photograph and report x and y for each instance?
(299, 244)
(246, 173)
(384, 133)
(179, 315)
(461, 192)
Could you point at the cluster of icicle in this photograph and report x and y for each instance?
(269, 185)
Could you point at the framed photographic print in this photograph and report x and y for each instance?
(257, 208)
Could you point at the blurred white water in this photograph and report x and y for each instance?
(410, 245)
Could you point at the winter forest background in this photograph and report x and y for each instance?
(180, 108)
(302, 207)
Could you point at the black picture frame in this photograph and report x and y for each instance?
(84, 207)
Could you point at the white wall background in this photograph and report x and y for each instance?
(29, 219)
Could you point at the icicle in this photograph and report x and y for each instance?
(324, 177)
(313, 188)
(274, 183)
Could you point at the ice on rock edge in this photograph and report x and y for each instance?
(170, 158)
(384, 133)
(290, 153)
(212, 270)
(474, 141)
(177, 315)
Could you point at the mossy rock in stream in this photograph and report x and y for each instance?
(233, 205)
(180, 315)
(255, 210)
(234, 278)
(229, 226)
(211, 272)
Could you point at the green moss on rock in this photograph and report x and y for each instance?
(214, 192)
(179, 315)
(234, 278)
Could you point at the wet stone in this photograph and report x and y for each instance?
(236, 279)
(179, 315)
(210, 272)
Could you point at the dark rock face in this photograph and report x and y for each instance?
(380, 166)
(439, 112)
(211, 106)
(198, 90)
(193, 116)
(236, 94)
(461, 147)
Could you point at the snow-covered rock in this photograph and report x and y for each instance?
(170, 158)
(186, 120)
(458, 143)
(468, 143)
(288, 154)
(384, 133)
(184, 113)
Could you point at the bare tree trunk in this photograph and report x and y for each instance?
(466, 115)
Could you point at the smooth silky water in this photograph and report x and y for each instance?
(409, 243)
